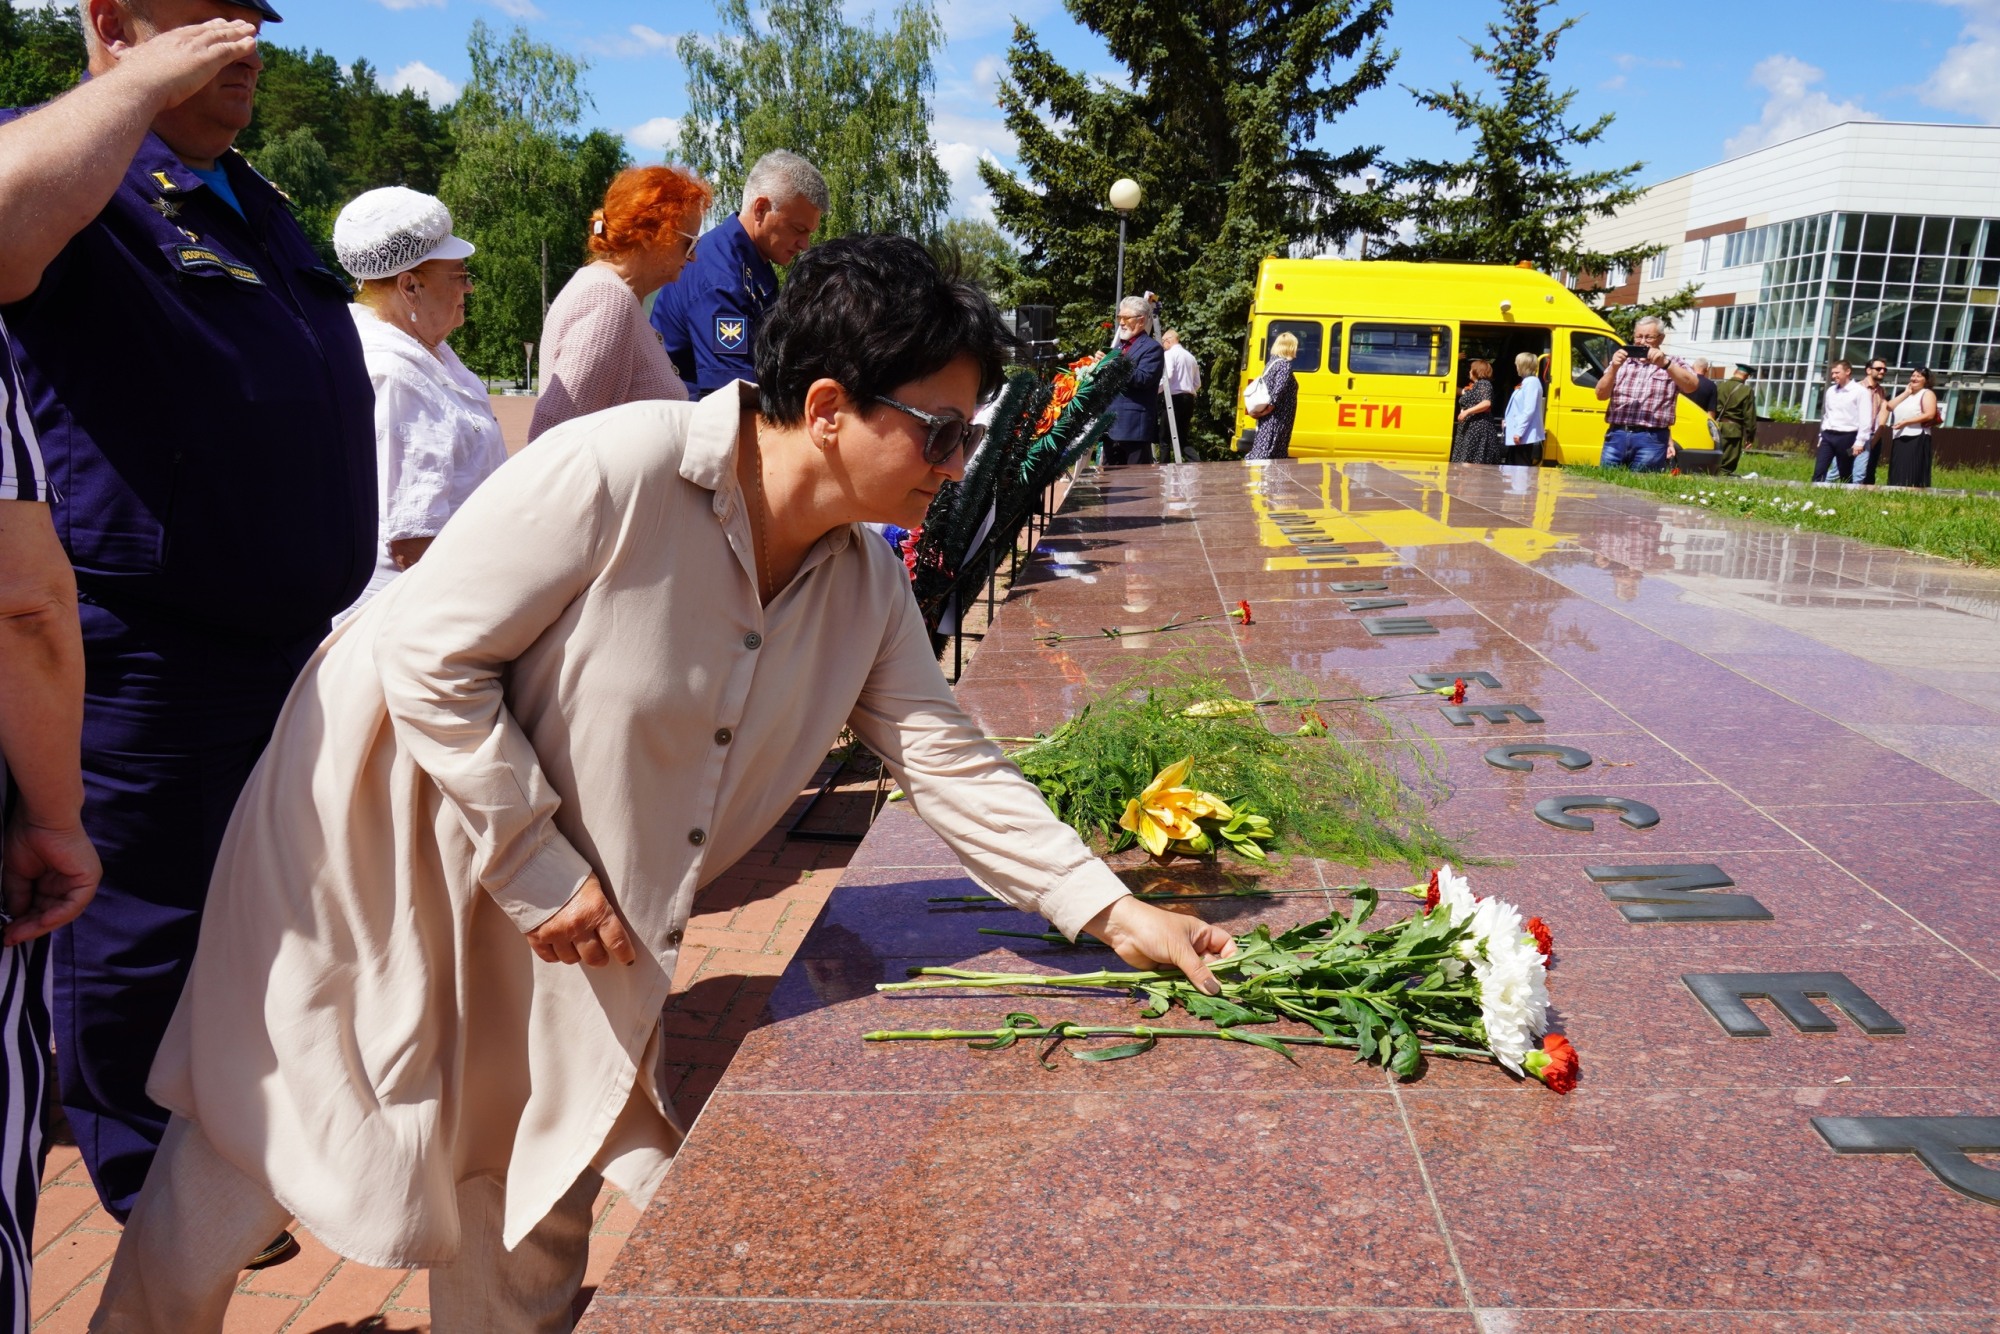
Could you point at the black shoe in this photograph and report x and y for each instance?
(283, 1247)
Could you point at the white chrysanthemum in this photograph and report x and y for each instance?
(1455, 893)
(1513, 982)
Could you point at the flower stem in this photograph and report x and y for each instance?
(1135, 1031)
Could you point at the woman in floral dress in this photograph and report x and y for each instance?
(1274, 424)
(1476, 437)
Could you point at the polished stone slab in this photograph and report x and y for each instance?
(1770, 694)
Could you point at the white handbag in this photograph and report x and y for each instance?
(1256, 396)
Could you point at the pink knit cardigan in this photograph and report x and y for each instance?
(598, 351)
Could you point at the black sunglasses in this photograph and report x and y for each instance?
(947, 435)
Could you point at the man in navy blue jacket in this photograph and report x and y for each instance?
(708, 319)
(197, 385)
(1135, 413)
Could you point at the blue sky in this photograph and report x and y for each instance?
(1692, 84)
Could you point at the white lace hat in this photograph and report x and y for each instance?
(392, 230)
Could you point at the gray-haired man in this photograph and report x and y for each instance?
(708, 319)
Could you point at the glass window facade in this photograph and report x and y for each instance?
(1912, 290)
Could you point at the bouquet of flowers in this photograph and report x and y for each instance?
(1465, 977)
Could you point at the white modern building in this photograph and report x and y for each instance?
(1866, 239)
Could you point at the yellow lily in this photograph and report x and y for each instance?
(1166, 811)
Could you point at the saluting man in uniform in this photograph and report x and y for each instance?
(214, 487)
(708, 319)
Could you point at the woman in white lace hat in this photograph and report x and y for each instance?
(435, 436)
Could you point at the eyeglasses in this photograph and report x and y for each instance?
(1878, 370)
(693, 240)
(947, 435)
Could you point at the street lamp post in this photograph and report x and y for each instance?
(1125, 196)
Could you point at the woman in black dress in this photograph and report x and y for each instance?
(1476, 437)
(1274, 426)
(1913, 418)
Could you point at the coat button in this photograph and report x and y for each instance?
(674, 937)
(723, 736)
(697, 836)
(753, 640)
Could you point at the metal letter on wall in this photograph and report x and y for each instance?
(1440, 680)
(1723, 994)
(1556, 811)
(1461, 715)
(1384, 627)
(1941, 1143)
(1672, 892)
(1512, 757)
(1375, 604)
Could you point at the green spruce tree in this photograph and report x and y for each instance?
(1517, 197)
(1222, 122)
(852, 99)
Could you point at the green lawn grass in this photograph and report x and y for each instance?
(1799, 467)
(1960, 528)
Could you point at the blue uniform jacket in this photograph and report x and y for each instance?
(1135, 413)
(709, 318)
(203, 407)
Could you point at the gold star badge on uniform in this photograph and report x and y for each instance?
(166, 208)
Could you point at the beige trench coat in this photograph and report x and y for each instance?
(578, 677)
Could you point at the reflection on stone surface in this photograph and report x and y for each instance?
(1817, 717)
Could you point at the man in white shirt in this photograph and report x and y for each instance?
(1845, 419)
(1183, 381)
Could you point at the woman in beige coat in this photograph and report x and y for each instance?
(613, 671)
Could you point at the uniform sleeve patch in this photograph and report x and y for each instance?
(200, 257)
(729, 332)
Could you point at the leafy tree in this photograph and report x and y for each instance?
(299, 166)
(371, 136)
(1222, 125)
(41, 54)
(853, 100)
(522, 188)
(982, 254)
(1516, 197)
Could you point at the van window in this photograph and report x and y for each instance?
(1589, 354)
(1400, 349)
(1312, 337)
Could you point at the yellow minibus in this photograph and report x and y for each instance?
(1385, 347)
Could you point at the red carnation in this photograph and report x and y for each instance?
(1543, 940)
(1555, 1064)
(1458, 691)
(1242, 613)
(1431, 894)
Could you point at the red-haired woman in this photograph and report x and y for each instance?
(597, 349)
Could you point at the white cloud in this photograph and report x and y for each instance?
(1625, 60)
(399, 4)
(425, 82)
(1964, 80)
(656, 137)
(637, 40)
(969, 196)
(1793, 107)
(513, 9)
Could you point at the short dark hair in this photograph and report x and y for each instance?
(873, 313)
(1843, 363)
(1924, 371)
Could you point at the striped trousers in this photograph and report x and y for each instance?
(24, 1074)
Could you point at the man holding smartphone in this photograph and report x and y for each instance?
(1642, 385)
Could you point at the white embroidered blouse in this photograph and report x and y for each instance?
(436, 438)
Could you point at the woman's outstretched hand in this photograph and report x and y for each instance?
(585, 930)
(1149, 937)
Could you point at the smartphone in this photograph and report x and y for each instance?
(1636, 352)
